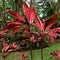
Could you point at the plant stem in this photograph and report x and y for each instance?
(13, 55)
(4, 58)
(31, 52)
(33, 49)
(41, 51)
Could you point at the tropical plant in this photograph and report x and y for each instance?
(55, 54)
(26, 24)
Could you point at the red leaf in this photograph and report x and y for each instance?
(10, 50)
(56, 54)
(15, 30)
(39, 23)
(25, 30)
(52, 39)
(14, 23)
(5, 46)
(32, 37)
(27, 11)
(51, 33)
(54, 32)
(23, 42)
(13, 45)
(18, 37)
(24, 55)
(56, 29)
(50, 21)
(33, 14)
(4, 31)
(16, 15)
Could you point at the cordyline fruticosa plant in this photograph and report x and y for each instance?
(55, 54)
(9, 48)
(31, 20)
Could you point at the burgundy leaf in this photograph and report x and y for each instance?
(51, 33)
(51, 20)
(27, 11)
(5, 46)
(39, 23)
(56, 29)
(23, 42)
(33, 14)
(18, 37)
(32, 37)
(13, 45)
(56, 54)
(14, 23)
(15, 30)
(52, 39)
(25, 30)
(10, 50)
(4, 31)
(16, 15)
(24, 55)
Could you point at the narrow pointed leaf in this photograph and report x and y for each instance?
(56, 29)
(52, 39)
(4, 31)
(32, 16)
(23, 42)
(16, 15)
(15, 30)
(39, 23)
(13, 45)
(56, 54)
(18, 37)
(25, 30)
(27, 11)
(50, 21)
(5, 47)
(14, 23)
(51, 33)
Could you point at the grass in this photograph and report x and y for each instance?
(36, 54)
